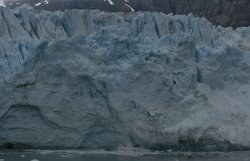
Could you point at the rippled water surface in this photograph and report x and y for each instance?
(77, 155)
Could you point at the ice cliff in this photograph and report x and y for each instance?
(92, 79)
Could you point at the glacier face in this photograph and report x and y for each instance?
(92, 79)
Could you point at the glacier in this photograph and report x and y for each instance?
(97, 80)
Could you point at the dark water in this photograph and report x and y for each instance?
(120, 156)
